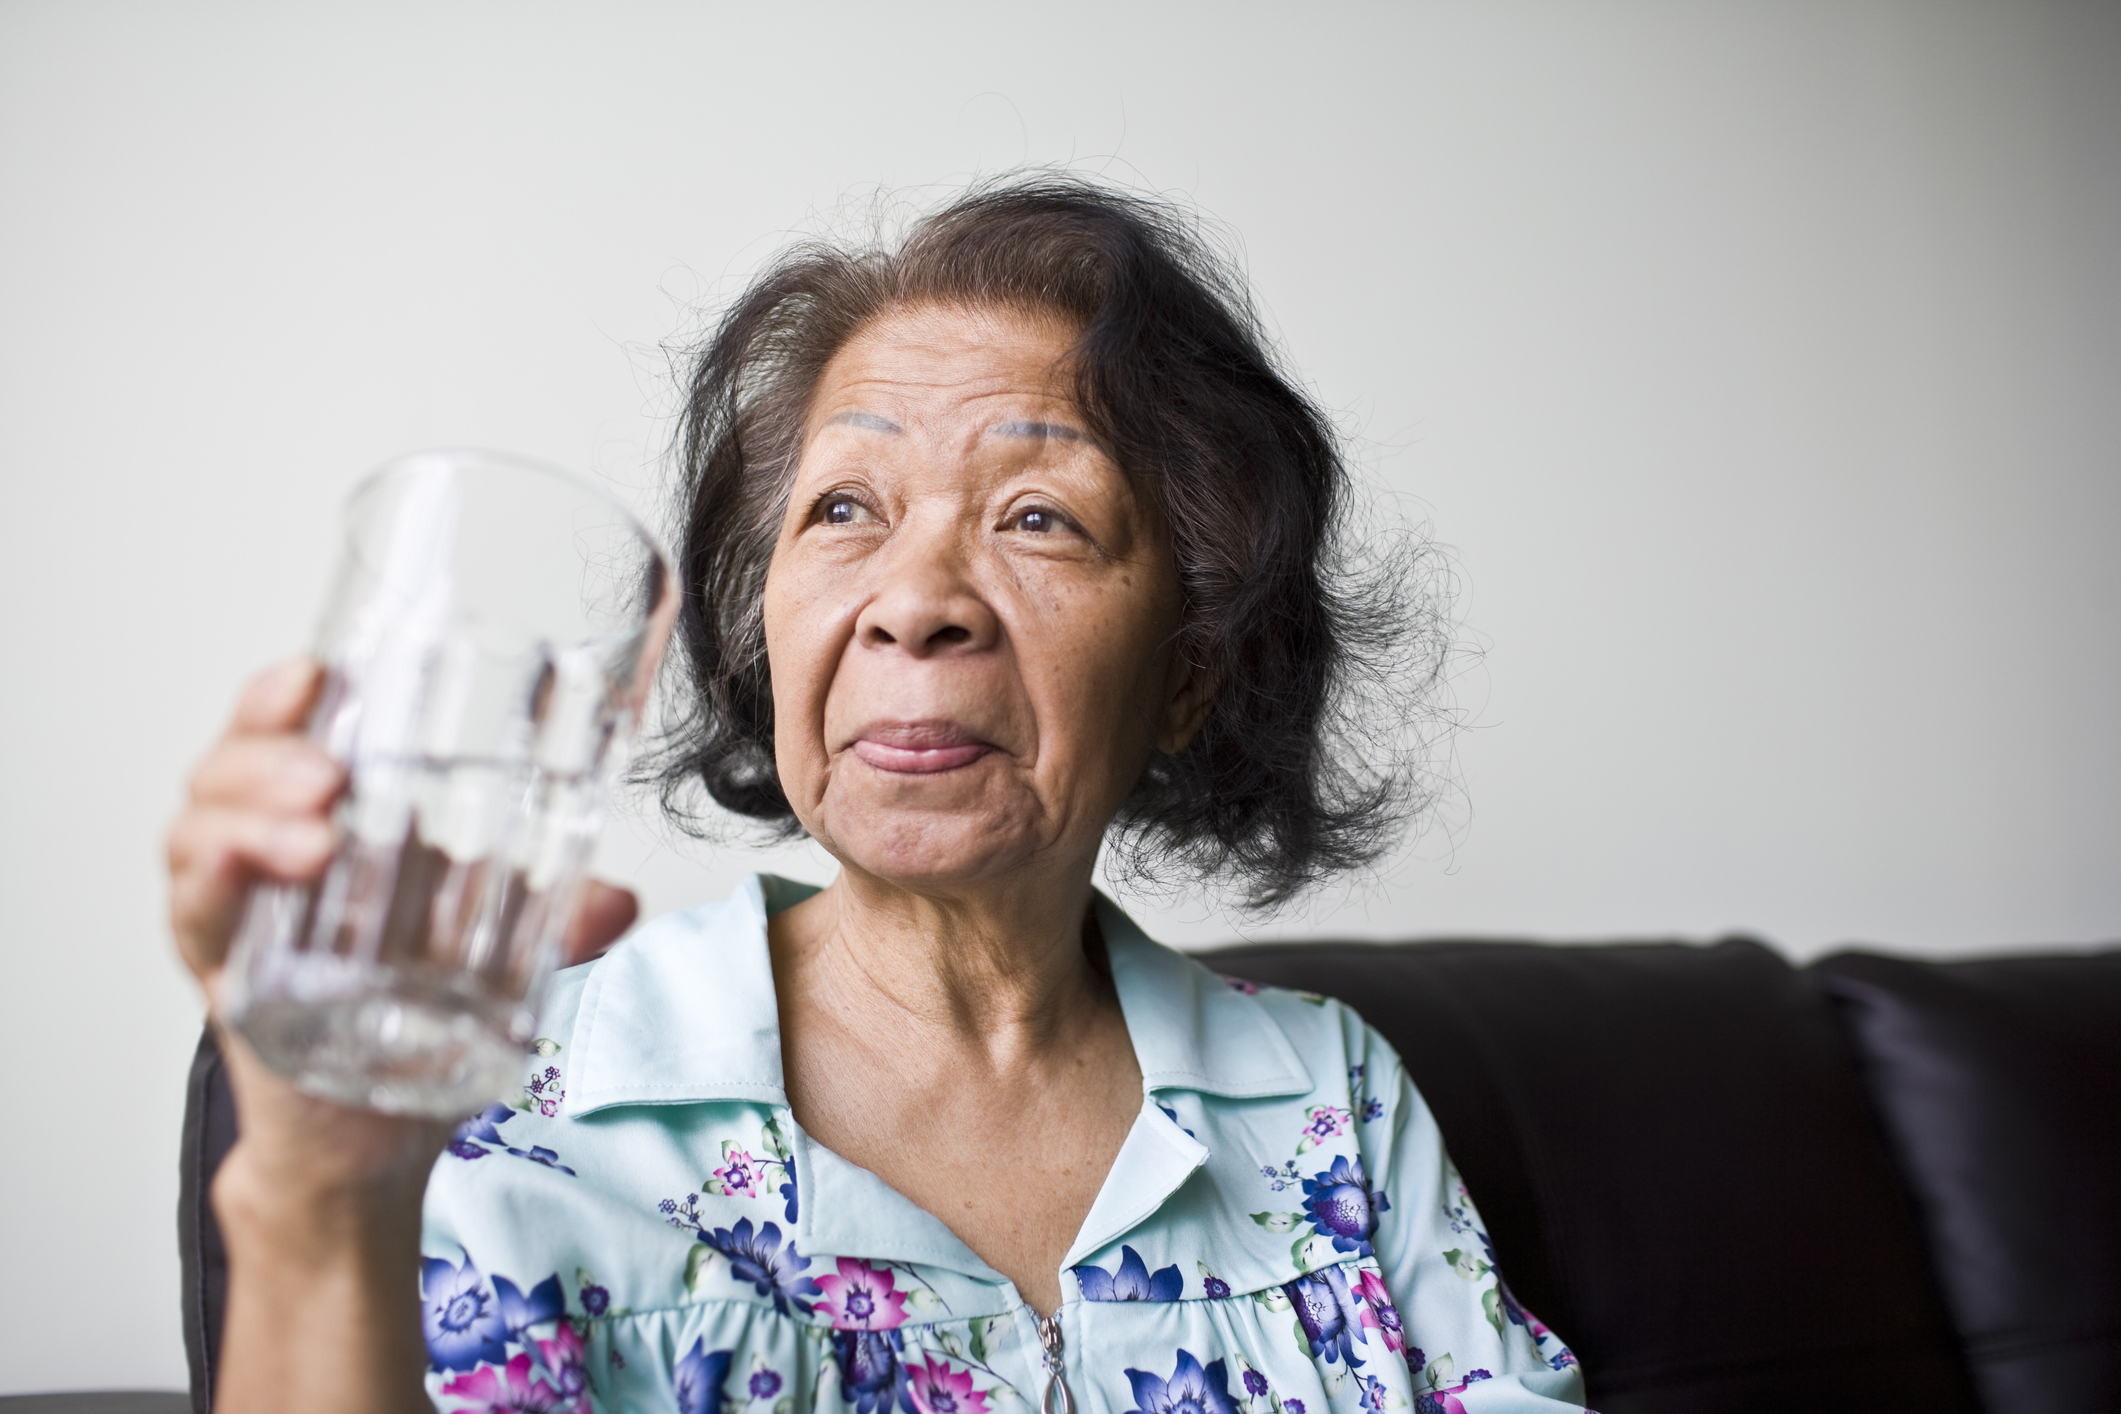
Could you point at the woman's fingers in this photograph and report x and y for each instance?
(604, 912)
(278, 699)
(260, 804)
(282, 773)
(216, 853)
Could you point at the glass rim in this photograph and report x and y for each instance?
(406, 463)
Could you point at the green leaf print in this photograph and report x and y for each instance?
(1467, 1265)
(697, 1263)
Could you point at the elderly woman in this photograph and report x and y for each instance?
(999, 546)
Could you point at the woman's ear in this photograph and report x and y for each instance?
(1189, 690)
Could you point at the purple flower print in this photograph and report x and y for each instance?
(479, 1130)
(1293, 1406)
(935, 1387)
(1255, 1383)
(461, 1322)
(765, 1384)
(1191, 1389)
(1373, 1393)
(1132, 1282)
(861, 1298)
(595, 1299)
(1378, 1312)
(537, 1154)
(759, 1257)
(697, 1379)
(483, 1125)
(870, 1374)
(1372, 1109)
(1326, 1311)
(1342, 1207)
(788, 1191)
(1416, 1361)
(1284, 1177)
(1323, 1122)
(519, 1312)
(1215, 1288)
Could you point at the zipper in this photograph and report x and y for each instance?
(1057, 1398)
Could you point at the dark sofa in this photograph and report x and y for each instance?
(1733, 1185)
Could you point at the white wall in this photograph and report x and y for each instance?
(1759, 360)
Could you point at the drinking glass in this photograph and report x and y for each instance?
(488, 645)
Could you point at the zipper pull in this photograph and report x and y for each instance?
(1049, 1335)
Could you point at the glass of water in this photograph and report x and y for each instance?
(488, 646)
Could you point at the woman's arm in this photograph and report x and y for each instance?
(319, 1204)
(320, 1209)
(1470, 1346)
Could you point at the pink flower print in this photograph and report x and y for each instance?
(512, 1389)
(1239, 984)
(1378, 1312)
(1323, 1122)
(741, 1174)
(544, 1091)
(565, 1363)
(862, 1298)
(939, 1389)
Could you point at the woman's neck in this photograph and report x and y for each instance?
(1003, 974)
(968, 1049)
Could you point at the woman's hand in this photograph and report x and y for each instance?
(319, 1204)
(260, 809)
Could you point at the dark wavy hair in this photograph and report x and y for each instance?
(1294, 774)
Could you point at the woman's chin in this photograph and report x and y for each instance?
(921, 850)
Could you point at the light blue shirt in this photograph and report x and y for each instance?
(647, 1228)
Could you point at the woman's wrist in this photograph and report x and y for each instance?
(276, 1211)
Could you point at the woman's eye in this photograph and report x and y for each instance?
(1038, 520)
(844, 510)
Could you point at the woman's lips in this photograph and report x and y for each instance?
(919, 749)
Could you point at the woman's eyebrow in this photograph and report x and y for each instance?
(867, 421)
(1056, 430)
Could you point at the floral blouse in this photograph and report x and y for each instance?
(646, 1228)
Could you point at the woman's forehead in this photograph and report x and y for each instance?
(960, 370)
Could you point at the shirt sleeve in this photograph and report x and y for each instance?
(1471, 1347)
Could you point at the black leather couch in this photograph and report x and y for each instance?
(1733, 1185)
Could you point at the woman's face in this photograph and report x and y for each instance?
(969, 614)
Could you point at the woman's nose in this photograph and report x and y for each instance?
(926, 607)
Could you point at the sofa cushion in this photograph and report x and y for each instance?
(1676, 1160)
(209, 1133)
(2000, 1085)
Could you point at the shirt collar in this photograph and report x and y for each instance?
(685, 1011)
(1191, 1030)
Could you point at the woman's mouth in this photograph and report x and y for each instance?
(918, 748)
